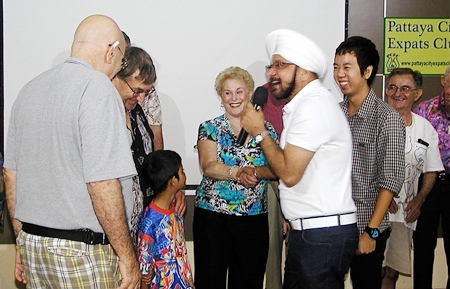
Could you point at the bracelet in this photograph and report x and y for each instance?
(17, 248)
(230, 171)
(254, 172)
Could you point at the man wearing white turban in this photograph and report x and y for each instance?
(313, 164)
(378, 155)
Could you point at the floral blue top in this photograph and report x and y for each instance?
(227, 196)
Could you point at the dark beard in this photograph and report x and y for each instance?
(283, 94)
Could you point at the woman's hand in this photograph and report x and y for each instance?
(246, 177)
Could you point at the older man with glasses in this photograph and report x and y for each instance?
(404, 87)
(135, 82)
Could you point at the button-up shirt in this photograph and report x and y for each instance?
(378, 134)
(434, 111)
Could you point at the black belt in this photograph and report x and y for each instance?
(81, 235)
(443, 176)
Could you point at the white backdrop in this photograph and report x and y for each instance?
(189, 41)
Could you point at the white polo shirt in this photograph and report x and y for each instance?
(314, 121)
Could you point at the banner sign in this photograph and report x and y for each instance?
(421, 44)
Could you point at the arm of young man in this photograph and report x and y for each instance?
(107, 200)
(366, 244)
(9, 177)
(391, 144)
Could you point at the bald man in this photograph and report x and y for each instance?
(68, 169)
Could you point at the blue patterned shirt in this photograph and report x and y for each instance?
(227, 196)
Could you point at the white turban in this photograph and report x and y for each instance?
(298, 49)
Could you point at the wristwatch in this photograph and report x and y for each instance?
(374, 233)
(260, 137)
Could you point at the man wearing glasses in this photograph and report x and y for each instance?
(68, 170)
(135, 82)
(313, 164)
(404, 87)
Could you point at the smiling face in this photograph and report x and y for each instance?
(132, 90)
(235, 96)
(347, 74)
(282, 79)
(401, 92)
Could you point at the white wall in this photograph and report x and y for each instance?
(190, 42)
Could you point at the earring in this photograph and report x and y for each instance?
(221, 106)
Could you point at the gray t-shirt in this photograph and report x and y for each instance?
(67, 129)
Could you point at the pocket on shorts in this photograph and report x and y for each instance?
(67, 252)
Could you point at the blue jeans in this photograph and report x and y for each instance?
(320, 258)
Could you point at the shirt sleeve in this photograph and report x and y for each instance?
(152, 109)
(207, 131)
(391, 153)
(433, 159)
(10, 152)
(146, 241)
(307, 129)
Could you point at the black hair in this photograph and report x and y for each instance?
(127, 39)
(417, 76)
(365, 51)
(160, 167)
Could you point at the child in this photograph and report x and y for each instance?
(162, 252)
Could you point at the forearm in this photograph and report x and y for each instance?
(158, 140)
(381, 206)
(427, 184)
(264, 172)
(274, 156)
(288, 164)
(9, 177)
(219, 171)
(107, 200)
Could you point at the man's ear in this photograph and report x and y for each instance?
(442, 80)
(368, 72)
(112, 50)
(418, 95)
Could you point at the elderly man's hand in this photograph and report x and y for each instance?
(413, 208)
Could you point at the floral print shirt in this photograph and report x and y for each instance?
(227, 196)
(152, 109)
(434, 111)
(162, 247)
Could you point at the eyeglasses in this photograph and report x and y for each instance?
(278, 65)
(124, 61)
(404, 89)
(140, 91)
